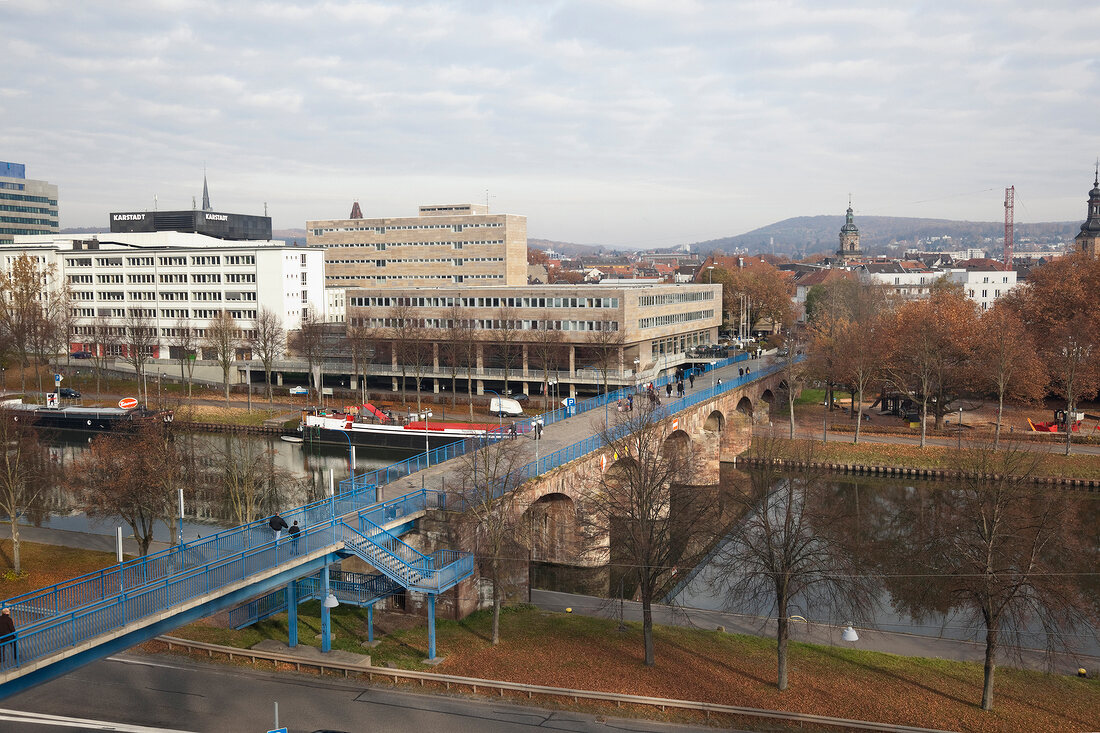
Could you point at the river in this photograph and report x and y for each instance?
(303, 467)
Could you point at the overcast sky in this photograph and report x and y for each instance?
(643, 122)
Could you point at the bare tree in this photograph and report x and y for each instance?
(185, 342)
(35, 314)
(491, 478)
(140, 340)
(547, 345)
(996, 547)
(1007, 361)
(789, 552)
(244, 476)
(792, 368)
(130, 476)
(402, 337)
(362, 341)
(606, 345)
(1071, 353)
(308, 341)
(455, 333)
(24, 474)
(268, 342)
(507, 337)
(645, 503)
(222, 338)
(106, 339)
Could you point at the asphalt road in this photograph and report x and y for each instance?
(162, 694)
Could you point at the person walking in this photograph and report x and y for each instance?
(7, 637)
(294, 531)
(668, 389)
(512, 430)
(630, 402)
(277, 524)
(691, 380)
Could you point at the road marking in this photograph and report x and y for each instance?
(18, 716)
(143, 663)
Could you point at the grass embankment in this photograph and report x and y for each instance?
(225, 415)
(588, 653)
(1082, 466)
(45, 565)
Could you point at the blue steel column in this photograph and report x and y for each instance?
(326, 624)
(292, 613)
(370, 624)
(431, 626)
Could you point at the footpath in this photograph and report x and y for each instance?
(812, 632)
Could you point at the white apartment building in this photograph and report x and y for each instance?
(901, 281)
(173, 280)
(983, 286)
(336, 305)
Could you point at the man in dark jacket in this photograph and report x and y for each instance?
(7, 637)
(294, 530)
(277, 524)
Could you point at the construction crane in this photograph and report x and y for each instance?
(1010, 196)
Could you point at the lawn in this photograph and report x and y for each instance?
(45, 565)
(588, 653)
(237, 415)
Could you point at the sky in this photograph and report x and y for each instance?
(630, 123)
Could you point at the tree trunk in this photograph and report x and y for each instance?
(647, 629)
(859, 414)
(997, 429)
(781, 635)
(1070, 409)
(496, 606)
(790, 404)
(990, 654)
(924, 421)
(15, 542)
(225, 381)
(267, 380)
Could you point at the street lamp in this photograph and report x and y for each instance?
(500, 413)
(710, 274)
(351, 452)
(427, 451)
(960, 428)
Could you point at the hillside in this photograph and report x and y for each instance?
(880, 234)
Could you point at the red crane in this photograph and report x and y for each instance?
(1010, 195)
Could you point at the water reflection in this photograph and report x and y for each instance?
(938, 570)
(292, 474)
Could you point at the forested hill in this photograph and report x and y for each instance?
(808, 234)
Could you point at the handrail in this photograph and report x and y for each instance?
(474, 683)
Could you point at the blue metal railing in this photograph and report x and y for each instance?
(404, 564)
(359, 589)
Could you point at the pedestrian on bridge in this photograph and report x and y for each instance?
(7, 637)
(668, 390)
(277, 524)
(294, 530)
(691, 379)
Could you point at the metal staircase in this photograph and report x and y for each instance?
(403, 564)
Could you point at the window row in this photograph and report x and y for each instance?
(673, 318)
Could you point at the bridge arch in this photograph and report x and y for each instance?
(715, 422)
(552, 523)
(744, 406)
(767, 396)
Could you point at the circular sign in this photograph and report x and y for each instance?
(127, 403)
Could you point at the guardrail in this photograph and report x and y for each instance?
(475, 684)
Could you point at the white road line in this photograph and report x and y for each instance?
(142, 663)
(18, 716)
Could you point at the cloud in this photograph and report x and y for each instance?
(711, 117)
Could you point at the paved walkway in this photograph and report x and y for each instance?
(891, 642)
(555, 436)
(83, 540)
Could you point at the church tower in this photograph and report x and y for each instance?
(849, 238)
(1088, 239)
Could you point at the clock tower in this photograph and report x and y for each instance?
(849, 238)
(1088, 239)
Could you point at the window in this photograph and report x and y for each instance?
(206, 260)
(174, 278)
(139, 261)
(147, 278)
(173, 261)
(108, 261)
(240, 260)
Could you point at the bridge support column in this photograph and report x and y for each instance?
(480, 387)
(326, 614)
(431, 626)
(370, 624)
(435, 386)
(278, 379)
(353, 383)
(292, 614)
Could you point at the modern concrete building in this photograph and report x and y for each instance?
(444, 245)
(173, 280)
(581, 334)
(27, 206)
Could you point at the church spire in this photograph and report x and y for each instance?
(205, 193)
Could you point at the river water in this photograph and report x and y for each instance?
(303, 468)
(872, 510)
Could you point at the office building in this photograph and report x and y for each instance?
(218, 224)
(444, 245)
(27, 206)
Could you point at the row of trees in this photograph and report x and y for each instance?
(1037, 340)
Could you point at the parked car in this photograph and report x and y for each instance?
(68, 393)
(81, 355)
(519, 396)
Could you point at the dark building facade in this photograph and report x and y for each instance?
(210, 223)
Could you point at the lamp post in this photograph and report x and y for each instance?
(500, 414)
(427, 451)
(710, 274)
(351, 452)
(960, 428)
(637, 364)
(550, 384)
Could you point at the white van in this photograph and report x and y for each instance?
(505, 407)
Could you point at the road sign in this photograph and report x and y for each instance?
(570, 401)
(57, 378)
(278, 730)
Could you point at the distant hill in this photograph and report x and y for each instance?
(803, 234)
(289, 235)
(569, 249)
(82, 230)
